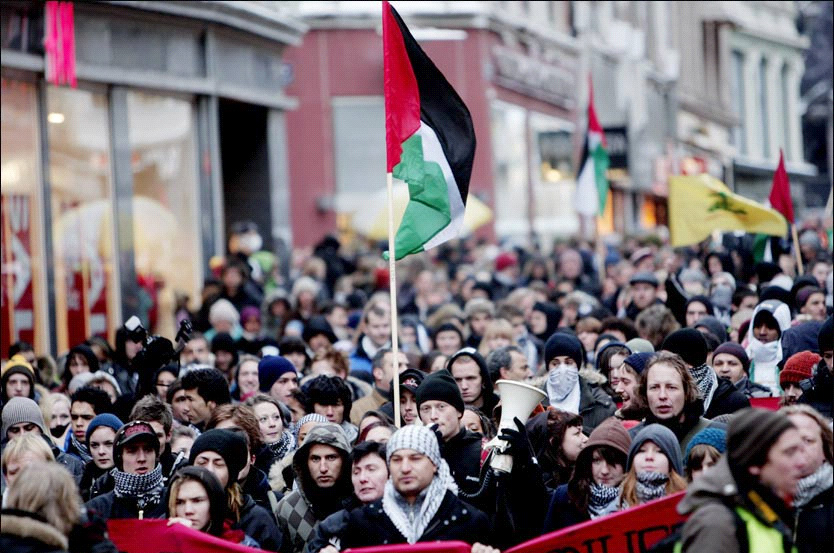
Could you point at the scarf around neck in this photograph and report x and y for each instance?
(651, 485)
(813, 484)
(707, 382)
(283, 446)
(81, 448)
(601, 499)
(412, 520)
(144, 488)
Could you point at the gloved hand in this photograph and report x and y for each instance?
(519, 443)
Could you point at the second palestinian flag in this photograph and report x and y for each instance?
(430, 140)
(591, 182)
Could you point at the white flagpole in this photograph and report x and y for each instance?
(392, 284)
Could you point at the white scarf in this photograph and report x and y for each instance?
(563, 388)
(412, 520)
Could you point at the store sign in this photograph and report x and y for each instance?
(534, 77)
(17, 289)
(617, 147)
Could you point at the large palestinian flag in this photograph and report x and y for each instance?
(591, 183)
(429, 137)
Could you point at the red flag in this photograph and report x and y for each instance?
(780, 192)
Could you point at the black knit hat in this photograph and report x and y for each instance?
(562, 343)
(229, 445)
(440, 386)
(825, 339)
(689, 344)
(750, 436)
(731, 348)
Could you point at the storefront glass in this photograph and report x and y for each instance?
(23, 290)
(86, 279)
(509, 151)
(166, 237)
(553, 175)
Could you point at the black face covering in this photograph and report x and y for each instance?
(58, 431)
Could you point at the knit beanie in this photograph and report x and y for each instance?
(750, 436)
(105, 419)
(664, 439)
(448, 327)
(798, 367)
(638, 361)
(223, 341)
(705, 301)
(562, 343)
(825, 339)
(640, 345)
(419, 438)
(22, 409)
(270, 369)
(804, 294)
(18, 365)
(229, 445)
(714, 326)
(440, 386)
(716, 437)
(610, 433)
(689, 344)
(731, 348)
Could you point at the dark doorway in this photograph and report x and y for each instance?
(245, 164)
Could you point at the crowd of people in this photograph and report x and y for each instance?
(269, 420)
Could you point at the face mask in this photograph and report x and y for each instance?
(561, 380)
(722, 296)
(58, 431)
(765, 353)
(251, 242)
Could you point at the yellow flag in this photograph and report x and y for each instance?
(701, 204)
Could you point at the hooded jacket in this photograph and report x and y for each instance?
(763, 368)
(490, 398)
(713, 525)
(299, 511)
(463, 454)
(23, 533)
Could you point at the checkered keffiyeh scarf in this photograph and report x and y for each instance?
(601, 498)
(145, 488)
(707, 382)
(651, 485)
(81, 448)
(283, 446)
(412, 520)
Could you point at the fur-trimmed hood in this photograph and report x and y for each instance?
(24, 526)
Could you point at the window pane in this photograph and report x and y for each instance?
(86, 289)
(166, 237)
(510, 157)
(763, 110)
(359, 148)
(553, 175)
(23, 291)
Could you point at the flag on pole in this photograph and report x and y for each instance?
(429, 138)
(701, 204)
(591, 183)
(780, 191)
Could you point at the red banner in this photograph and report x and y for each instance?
(771, 403)
(427, 547)
(17, 286)
(155, 536)
(630, 531)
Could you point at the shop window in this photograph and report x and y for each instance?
(22, 281)
(166, 229)
(86, 285)
(510, 158)
(553, 175)
(359, 149)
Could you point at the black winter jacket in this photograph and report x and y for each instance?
(454, 520)
(726, 399)
(108, 507)
(22, 533)
(257, 522)
(814, 524)
(463, 453)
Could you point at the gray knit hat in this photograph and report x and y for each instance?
(22, 409)
(418, 438)
(662, 437)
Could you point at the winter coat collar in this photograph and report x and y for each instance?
(27, 525)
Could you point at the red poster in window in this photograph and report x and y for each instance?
(97, 297)
(18, 293)
(76, 306)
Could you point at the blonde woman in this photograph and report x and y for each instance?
(498, 333)
(43, 506)
(56, 413)
(20, 452)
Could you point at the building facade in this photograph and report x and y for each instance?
(116, 192)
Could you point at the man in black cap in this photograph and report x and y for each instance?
(139, 484)
(643, 294)
(440, 403)
(469, 369)
(410, 380)
(742, 503)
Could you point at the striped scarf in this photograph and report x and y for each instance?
(651, 486)
(80, 448)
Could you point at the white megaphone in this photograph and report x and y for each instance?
(517, 400)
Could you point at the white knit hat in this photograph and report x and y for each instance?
(419, 438)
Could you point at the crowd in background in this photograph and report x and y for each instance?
(269, 420)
